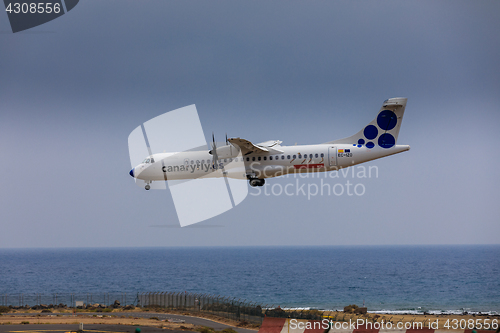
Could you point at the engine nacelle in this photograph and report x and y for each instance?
(227, 151)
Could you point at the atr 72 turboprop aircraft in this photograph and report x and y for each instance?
(241, 159)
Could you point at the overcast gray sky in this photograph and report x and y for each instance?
(73, 89)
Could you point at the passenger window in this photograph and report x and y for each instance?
(259, 158)
(294, 156)
(265, 158)
(316, 155)
(288, 157)
(300, 156)
(192, 162)
(322, 155)
(197, 161)
(248, 159)
(270, 158)
(283, 157)
(253, 158)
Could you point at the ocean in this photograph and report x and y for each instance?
(392, 279)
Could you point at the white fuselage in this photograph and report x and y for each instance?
(290, 159)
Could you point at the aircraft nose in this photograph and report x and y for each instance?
(131, 172)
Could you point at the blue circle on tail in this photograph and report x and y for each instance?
(370, 145)
(370, 132)
(387, 120)
(361, 142)
(386, 140)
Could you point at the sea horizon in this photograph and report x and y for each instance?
(242, 246)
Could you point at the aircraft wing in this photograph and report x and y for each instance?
(270, 143)
(247, 147)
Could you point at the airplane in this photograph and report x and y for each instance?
(241, 159)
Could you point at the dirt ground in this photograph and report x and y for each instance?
(115, 317)
(7, 319)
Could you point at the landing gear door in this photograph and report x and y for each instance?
(332, 156)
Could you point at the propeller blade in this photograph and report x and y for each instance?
(214, 152)
(230, 146)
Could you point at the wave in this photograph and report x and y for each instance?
(418, 311)
(435, 312)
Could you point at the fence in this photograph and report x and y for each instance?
(66, 299)
(227, 307)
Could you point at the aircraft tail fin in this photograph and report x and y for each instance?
(383, 130)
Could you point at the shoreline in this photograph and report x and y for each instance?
(407, 311)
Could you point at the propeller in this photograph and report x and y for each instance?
(214, 152)
(230, 146)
